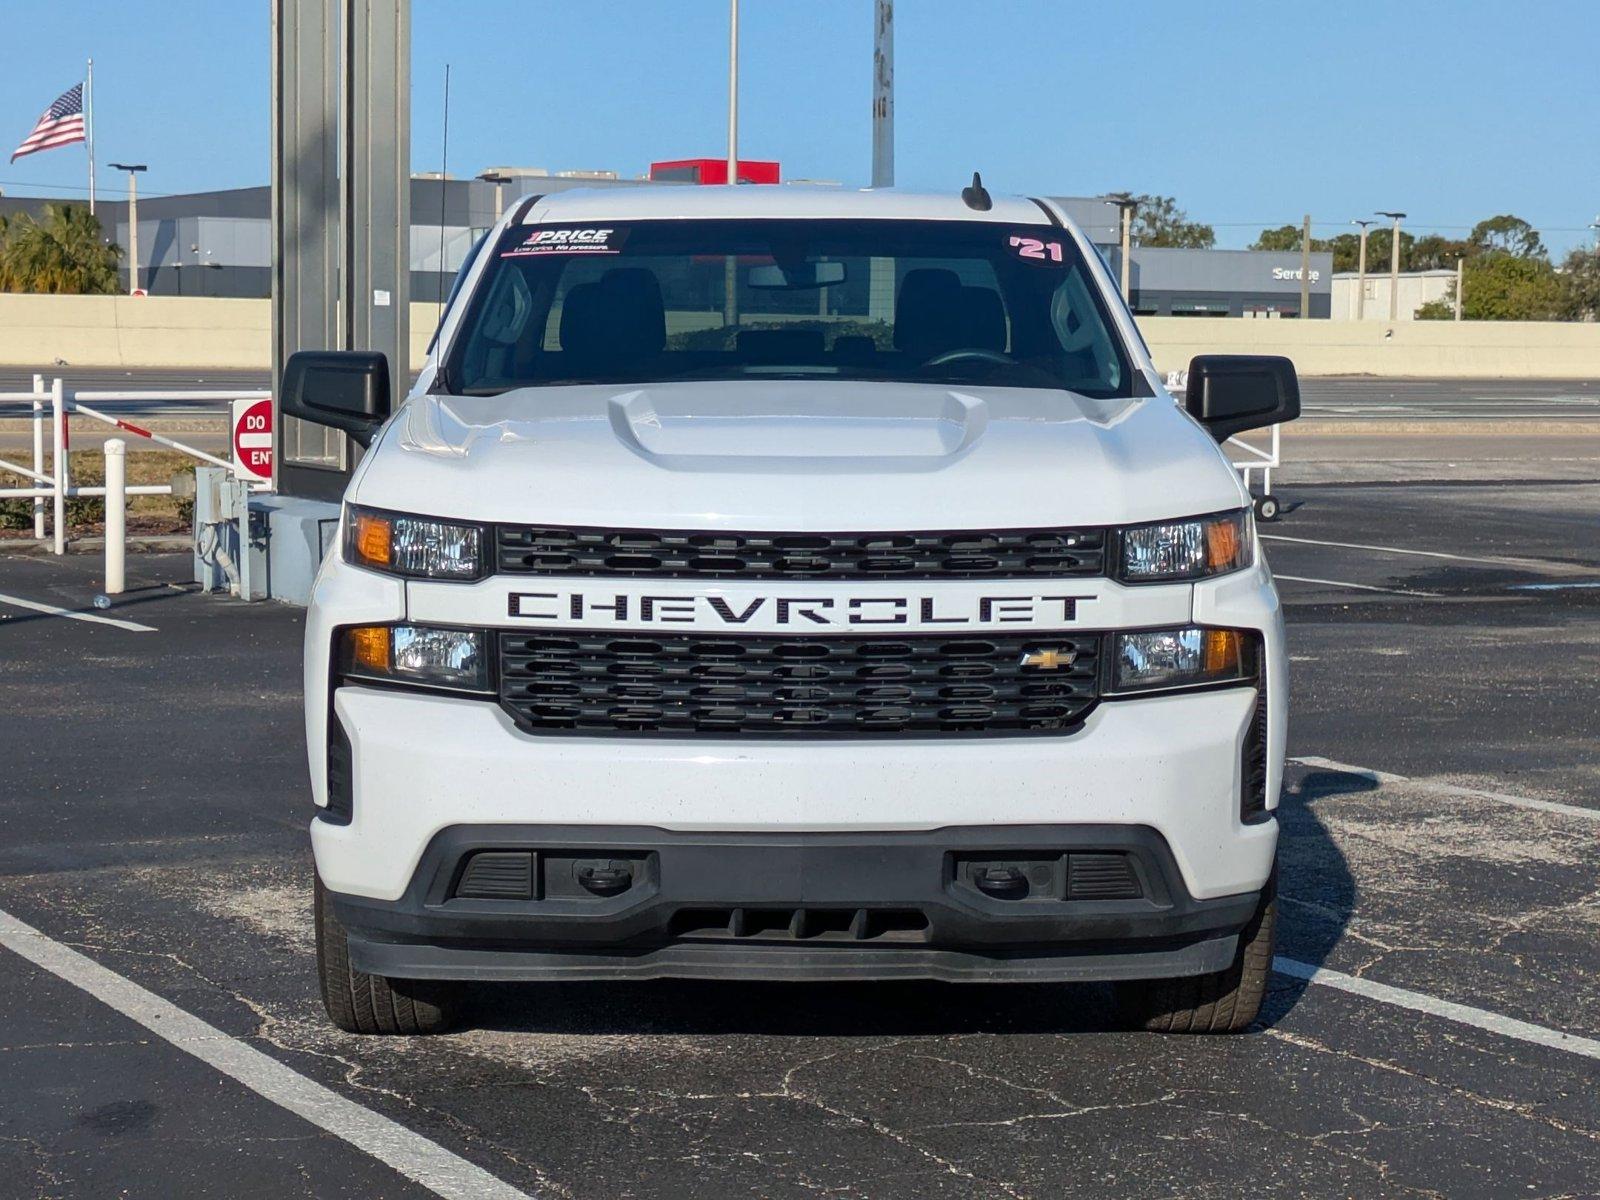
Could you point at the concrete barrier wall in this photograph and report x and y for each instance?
(124, 331)
(1406, 349)
(181, 332)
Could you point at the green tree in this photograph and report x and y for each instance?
(1432, 252)
(1283, 238)
(1378, 244)
(66, 252)
(1159, 221)
(1580, 285)
(1508, 235)
(1345, 247)
(1504, 287)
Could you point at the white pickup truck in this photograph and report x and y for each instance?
(793, 584)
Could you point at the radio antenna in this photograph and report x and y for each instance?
(977, 196)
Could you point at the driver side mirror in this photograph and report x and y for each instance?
(1230, 393)
(342, 389)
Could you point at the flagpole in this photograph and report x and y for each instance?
(88, 113)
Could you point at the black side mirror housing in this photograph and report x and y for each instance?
(342, 389)
(1229, 393)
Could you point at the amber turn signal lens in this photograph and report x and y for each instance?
(369, 648)
(1222, 544)
(1221, 652)
(372, 539)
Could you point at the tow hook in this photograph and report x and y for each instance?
(1003, 883)
(604, 878)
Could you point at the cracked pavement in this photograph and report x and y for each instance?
(152, 812)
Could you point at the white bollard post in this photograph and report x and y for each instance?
(116, 515)
(38, 456)
(58, 424)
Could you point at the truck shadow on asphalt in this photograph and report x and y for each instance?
(1317, 897)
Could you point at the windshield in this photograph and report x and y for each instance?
(921, 301)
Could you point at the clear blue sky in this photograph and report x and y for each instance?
(1250, 112)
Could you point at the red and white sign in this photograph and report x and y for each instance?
(252, 439)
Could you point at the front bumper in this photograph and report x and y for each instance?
(989, 903)
(422, 764)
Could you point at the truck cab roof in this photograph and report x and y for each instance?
(787, 201)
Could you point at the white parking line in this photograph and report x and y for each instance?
(411, 1154)
(1360, 587)
(52, 610)
(1498, 562)
(1462, 1014)
(1441, 788)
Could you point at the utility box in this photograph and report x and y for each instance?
(220, 500)
(289, 537)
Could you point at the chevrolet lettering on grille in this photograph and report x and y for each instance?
(602, 607)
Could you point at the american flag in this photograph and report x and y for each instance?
(61, 125)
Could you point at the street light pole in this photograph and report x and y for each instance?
(1305, 268)
(1394, 264)
(1125, 205)
(733, 91)
(1461, 282)
(1361, 271)
(499, 180)
(133, 170)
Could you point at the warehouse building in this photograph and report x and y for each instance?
(220, 243)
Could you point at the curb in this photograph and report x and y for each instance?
(1443, 427)
(155, 543)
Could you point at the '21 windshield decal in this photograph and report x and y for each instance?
(1034, 250)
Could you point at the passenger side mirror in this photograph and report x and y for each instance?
(342, 389)
(1229, 393)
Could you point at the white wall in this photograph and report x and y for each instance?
(191, 332)
(1416, 289)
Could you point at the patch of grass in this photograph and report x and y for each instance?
(85, 514)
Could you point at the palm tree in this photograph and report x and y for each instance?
(7, 283)
(65, 253)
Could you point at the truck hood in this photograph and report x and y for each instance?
(803, 455)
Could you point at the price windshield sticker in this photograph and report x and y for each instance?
(587, 239)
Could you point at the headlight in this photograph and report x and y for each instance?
(1188, 549)
(416, 547)
(420, 654)
(1160, 659)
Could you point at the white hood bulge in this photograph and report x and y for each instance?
(801, 455)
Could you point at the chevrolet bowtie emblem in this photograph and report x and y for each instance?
(1049, 660)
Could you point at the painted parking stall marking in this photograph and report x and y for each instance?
(412, 1155)
(51, 610)
(1461, 1014)
(1441, 788)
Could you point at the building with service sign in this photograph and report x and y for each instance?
(1224, 283)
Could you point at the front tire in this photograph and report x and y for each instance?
(362, 1003)
(1225, 1002)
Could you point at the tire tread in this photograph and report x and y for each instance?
(373, 1004)
(1226, 1001)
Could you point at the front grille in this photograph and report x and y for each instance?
(800, 924)
(640, 553)
(806, 687)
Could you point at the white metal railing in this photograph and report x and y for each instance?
(55, 405)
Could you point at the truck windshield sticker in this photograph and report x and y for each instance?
(1033, 250)
(588, 239)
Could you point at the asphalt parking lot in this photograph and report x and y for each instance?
(1434, 1029)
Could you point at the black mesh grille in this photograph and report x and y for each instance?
(633, 553)
(804, 687)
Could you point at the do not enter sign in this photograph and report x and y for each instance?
(252, 439)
